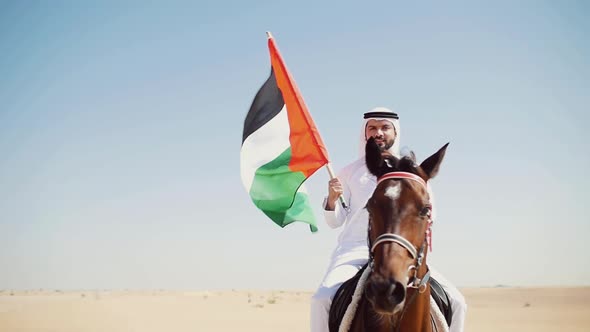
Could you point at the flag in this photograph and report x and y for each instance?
(281, 148)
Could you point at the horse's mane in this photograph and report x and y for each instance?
(380, 163)
(404, 164)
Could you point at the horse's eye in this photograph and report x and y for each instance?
(425, 212)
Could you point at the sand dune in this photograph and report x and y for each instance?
(490, 309)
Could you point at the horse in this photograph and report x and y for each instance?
(397, 279)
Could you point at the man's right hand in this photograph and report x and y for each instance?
(334, 192)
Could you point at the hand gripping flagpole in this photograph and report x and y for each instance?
(328, 165)
(332, 176)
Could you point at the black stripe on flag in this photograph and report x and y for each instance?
(266, 105)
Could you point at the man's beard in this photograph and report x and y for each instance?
(388, 144)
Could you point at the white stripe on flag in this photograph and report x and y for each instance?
(264, 145)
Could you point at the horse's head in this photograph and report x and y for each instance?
(399, 217)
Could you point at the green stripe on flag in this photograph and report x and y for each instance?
(274, 191)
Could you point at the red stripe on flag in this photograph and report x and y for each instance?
(307, 148)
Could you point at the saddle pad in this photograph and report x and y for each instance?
(342, 299)
(441, 298)
(439, 323)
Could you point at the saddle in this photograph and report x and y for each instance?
(343, 297)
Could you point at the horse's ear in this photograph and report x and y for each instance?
(431, 165)
(373, 157)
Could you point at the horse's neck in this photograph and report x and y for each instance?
(369, 320)
(417, 315)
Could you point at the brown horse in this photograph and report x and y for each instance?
(397, 289)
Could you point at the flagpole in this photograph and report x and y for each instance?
(328, 165)
(332, 176)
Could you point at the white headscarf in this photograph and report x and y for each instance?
(393, 118)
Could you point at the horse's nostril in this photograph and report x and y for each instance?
(397, 292)
(371, 289)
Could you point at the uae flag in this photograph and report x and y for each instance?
(281, 148)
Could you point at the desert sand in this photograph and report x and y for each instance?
(490, 309)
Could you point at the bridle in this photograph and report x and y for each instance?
(416, 253)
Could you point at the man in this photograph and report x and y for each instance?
(356, 185)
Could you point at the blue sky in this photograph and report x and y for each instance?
(121, 125)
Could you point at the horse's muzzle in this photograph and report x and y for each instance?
(386, 295)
